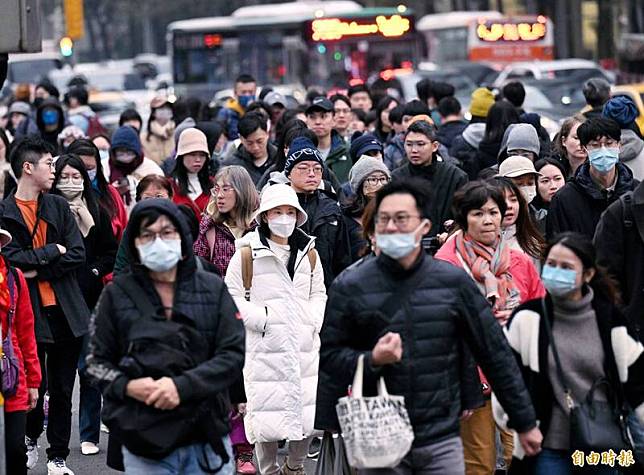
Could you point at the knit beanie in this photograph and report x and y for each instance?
(363, 168)
(482, 101)
(363, 144)
(126, 137)
(301, 150)
(622, 110)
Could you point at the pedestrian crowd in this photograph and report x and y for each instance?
(216, 277)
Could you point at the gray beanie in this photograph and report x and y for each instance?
(524, 137)
(20, 107)
(363, 168)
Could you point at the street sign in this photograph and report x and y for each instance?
(74, 19)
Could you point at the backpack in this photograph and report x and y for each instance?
(159, 347)
(247, 267)
(9, 365)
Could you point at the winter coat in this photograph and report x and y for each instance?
(444, 180)
(357, 242)
(59, 270)
(283, 320)
(326, 224)
(158, 144)
(619, 241)
(27, 127)
(448, 131)
(444, 313)
(147, 167)
(623, 363)
(51, 137)
(24, 345)
(223, 247)
(579, 204)
(465, 149)
(243, 158)
(338, 160)
(197, 205)
(395, 152)
(487, 153)
(524, 274)
(229, 115)
(632, 153)
(200, 297)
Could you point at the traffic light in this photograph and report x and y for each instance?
(66, 46)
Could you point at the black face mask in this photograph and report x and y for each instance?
(38, 102)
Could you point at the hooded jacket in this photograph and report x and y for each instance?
(464, 148)
(200, 297)
(229, 115)
(283, 320)
(243, 158)
(444, 313)
(52, 136)
(579, 204)
(632, 153)
(448, 131)
(519, 136)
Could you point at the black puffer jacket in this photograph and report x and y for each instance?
(326, 223)
(200, 296)
(448, 131)
(242, 158)
(580, 203)
(444, 180)
(444, 312)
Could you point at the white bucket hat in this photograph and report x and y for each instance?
(280, 195)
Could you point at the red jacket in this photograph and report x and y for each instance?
(24, 346)
(524, 274)
(119, 221)
(197, 206)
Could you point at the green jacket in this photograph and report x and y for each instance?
(338, 160)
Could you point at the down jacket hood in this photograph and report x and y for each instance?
(473, 134)
(51, 103)
(632, 146)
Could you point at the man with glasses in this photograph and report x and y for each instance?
(47, 246)
(442, 178)
(410, 316)
(303, 168)
(341, 114)
(600, 181)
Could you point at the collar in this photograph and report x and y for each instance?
(393, 267)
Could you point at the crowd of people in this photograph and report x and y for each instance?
(213, 277)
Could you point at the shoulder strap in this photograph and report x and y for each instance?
(247, 270)
(313, 257)
(133, 290)
(11, 281)
(555, 354)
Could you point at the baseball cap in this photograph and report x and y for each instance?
(320, 103)
(274, 97)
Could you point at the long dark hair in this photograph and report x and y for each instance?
(528, 236)
(381, 106)
(86, 147)
(501, 115)
(180, 174)
(583, 248)
(75, 162)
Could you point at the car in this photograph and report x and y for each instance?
(635, 92)
(108, 106)
(579, 69)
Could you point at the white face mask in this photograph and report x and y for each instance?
(160, 255)
(282, 226)
(398, 245)
(528, 193)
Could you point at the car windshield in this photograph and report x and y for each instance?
(31, 71)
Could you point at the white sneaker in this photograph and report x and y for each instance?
(58, 466)
(104, 428)
(89, 448)
(32, 452)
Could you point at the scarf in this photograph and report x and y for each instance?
(81, 213)
(490, 266)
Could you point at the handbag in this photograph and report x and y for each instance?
(594, 425)
(376, 430)
(9, 365)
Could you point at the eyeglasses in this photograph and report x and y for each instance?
(156, 195)
(316, 170)
(412, 145)
(76, 180)
(222, 189)
(166, 234)
(607, 142)
(48, 163)
(375, 180)
(401, 220)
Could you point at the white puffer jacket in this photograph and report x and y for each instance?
(283, 321)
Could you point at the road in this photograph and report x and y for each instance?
(95, 464)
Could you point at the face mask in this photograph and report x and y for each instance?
(528, 193)
(603, 159)
(282, 226)
(559, 282)
(125, 157)
(163, 114)
(69, 189)
(160, 255)
(104, 154)
(91, 174)
(50, 116)
(398, 245)
(38, 102)
(245, 101)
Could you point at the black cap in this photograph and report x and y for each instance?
(320, 103)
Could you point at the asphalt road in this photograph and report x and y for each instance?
(95, 464)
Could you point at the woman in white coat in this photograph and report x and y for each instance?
(283, 313)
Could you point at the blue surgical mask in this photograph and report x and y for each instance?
(160, 255)
(104, 154)
(557, 281)
(91, 174)
(50, 116)
(245, 101)
(603, 159)
(398, 245)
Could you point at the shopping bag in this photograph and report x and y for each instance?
(376, 430)
(332, 459)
